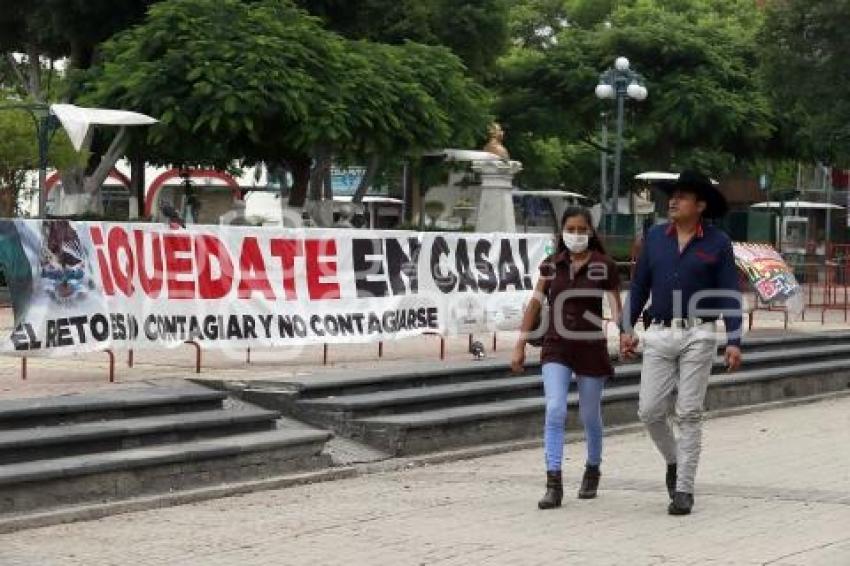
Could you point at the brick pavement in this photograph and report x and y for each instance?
(774, 488)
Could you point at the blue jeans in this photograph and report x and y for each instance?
(556, 383)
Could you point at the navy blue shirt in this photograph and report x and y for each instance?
(706, 264)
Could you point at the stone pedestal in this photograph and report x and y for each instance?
(496, 207)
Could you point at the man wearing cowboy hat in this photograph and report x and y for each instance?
(689, 268)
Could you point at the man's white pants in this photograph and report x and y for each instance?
(675, 358)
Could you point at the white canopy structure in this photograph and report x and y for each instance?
(660, 177)
(78, 121)
(78, 192)
(464, 155)
(798, 204)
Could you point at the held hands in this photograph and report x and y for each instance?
(628, 346)
(733, 358)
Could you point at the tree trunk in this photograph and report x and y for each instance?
(319, 173)
(8, 201)
(80, 192)
(300, 167)
(22, 84)
(137, 183)
(416, 204)
(34, 74)
(367, 179)
(408, 189)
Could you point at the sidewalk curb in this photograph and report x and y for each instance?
(102, 510)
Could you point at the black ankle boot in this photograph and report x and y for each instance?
(554, 491)
(671, 480)
(682, 503)
(589, 482)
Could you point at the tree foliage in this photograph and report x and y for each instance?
(804, 55)
(475, 30)
(706, 106)
(19, 155)
(267, 82)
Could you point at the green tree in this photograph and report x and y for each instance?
(266, 82)
(804, 55)
(43, 31)
(706, 106)
(19, 156)
(475, 30)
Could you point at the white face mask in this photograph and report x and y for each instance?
(576, 243)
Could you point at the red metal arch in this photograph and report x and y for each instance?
(159, 183)
(55, 178)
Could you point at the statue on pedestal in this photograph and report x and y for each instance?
(494, 143)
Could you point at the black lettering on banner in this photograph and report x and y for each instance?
(150, 328)
(133, 326)
(300, 326)
(368, 262)
(119, 330)
(211, 327)
(35, 344)
(195, 332)
(180, 326)
(466, 278)
(388, 320)
(422, 317)
(399, 263)
(50, 334)
(374, 324)
(345, 324)
(286, 326)
(20, 339)
(523, 254)
(314, 325)
(445, 281)
(432, 317)
(508, 272)
(167, 326)
(358, 320)
(487, 280)
(249, 330)
(79, 322)
(266, 321)
(331, 326)
(233, 328)
(24, 338)
(99, 327)
(63, 333)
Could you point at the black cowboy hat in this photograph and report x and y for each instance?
(705, 189)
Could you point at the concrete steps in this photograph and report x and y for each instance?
(409, 414)
(76, 449)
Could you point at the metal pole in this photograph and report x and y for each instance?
(828, 186)
(603, 170)
(618, 154)
(43, 142)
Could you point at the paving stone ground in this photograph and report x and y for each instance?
(773, 489)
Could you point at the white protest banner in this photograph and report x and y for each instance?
(89, 286)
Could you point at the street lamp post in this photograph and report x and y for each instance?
(617, 83)
(603, 167)
(45, 124)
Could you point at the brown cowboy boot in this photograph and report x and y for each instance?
(554, 491)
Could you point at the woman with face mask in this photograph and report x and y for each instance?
(573, 281)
